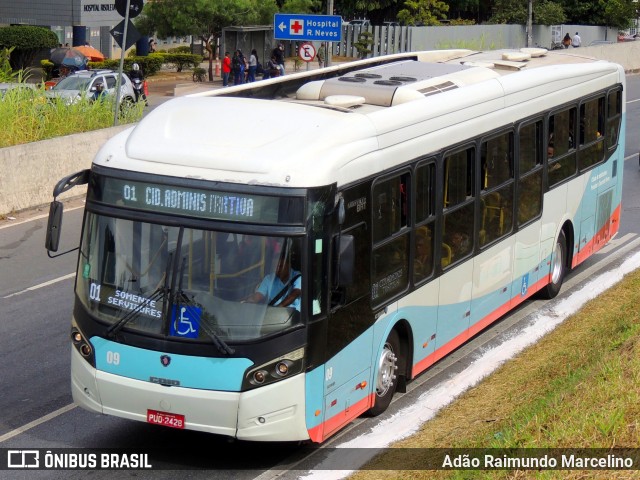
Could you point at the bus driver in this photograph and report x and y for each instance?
(280, 289)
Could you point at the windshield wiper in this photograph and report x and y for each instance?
(220, 344)
(159, 293)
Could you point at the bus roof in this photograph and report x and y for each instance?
(333, 125)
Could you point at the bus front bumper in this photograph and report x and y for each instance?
(271, 413)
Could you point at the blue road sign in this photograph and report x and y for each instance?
(298, 26)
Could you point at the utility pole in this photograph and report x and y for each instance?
(329, 45)
(122, 52)
(530, 24)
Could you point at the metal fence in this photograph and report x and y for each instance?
(382, 40)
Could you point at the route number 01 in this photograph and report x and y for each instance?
(94, 292)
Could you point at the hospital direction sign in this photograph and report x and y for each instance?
(295, 26)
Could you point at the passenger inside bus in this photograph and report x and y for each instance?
(423, 262)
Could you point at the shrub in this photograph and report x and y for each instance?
(181, 49)
(150, 64)
(47, 69)
(182, 60)
(27, 41)
(365, 41)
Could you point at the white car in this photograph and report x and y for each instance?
(5, 87)
(83, 83)
(361, 22)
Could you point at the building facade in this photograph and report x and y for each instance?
(76, 22)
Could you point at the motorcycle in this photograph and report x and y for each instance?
(138, 89)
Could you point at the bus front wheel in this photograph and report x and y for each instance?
(558, 267)
(386, 378)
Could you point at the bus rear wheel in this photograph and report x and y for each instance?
(558, 267)
(386, 378)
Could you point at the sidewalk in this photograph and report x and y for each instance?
(173, 84)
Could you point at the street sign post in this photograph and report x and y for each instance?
(306, 52)
(297, 26)
(118, 33)
(135, 7)
(125, 35)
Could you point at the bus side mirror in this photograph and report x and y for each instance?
(54, 226)
(345, 257)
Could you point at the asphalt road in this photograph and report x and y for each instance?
(36, 410)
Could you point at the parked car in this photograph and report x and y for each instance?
(601, 42)
(390, 24)
(627, 37)
(5, 87)
(83, 83)
(362, 22)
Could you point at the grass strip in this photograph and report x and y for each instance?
(578, 387)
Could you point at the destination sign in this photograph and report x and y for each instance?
(201, 203)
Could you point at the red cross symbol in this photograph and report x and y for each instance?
(296, 27)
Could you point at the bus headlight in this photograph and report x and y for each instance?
(83, 346)
(275, 370)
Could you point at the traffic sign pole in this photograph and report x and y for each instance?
(307, 52)
(122, 52)
(329, 49)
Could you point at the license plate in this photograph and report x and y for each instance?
(165, 419)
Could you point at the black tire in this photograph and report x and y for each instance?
(558, 268)
(386, 375)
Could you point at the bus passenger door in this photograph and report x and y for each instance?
(349, 328)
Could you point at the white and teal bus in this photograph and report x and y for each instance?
(414, 199)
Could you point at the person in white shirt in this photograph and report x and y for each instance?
(576, 41)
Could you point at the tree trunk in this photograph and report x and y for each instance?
(209, 49)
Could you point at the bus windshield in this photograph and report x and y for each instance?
(188, 284)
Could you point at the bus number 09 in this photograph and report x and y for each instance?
(113, 358)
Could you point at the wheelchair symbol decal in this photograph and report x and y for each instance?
(185, 321)
(525, 285)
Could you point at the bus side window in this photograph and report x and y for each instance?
(529, 199)
(562, 129)
(614, 117)
(459, 205)
(496, 161)
(390, 272)
(424, 238)
(591, 133)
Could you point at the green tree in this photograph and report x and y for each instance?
(203, 18)
(618, 13)
(613, 13)
(27, 41)
(548, 13)
(364, 43)
(302, 6)
(427, 12)
(515, 11)
(579, 12)
(375, 10)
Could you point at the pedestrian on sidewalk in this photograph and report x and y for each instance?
(226, 69)
(576, 41)
(253, 66)
(238, 67)
(278, 53)
(321, 55)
